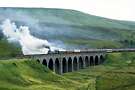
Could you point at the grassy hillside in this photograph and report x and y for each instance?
(8, 50)
(29, 75)
(117, 73)
(73, 26)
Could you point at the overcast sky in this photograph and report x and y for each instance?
(115, 9)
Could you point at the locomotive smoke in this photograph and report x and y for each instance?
(29, 43)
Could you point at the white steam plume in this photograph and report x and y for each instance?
(29, 43)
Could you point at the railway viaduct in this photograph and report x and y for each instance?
(69, 61)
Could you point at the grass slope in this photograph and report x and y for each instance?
(29, 75)
(117, 73)
(8, 50)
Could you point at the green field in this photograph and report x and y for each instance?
(117, 73)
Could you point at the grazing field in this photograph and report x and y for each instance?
(117, 73)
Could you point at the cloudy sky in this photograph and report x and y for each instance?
(115, 9)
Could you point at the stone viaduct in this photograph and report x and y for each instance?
(69, 61)
(62, 62)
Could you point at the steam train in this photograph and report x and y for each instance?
(92, 50)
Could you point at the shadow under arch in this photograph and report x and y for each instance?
(38, 61)
(80, 62)
(101, 59)
(96, 60)
(57, 66)
(75, 64)
(86, 61)
(44, 62)
(50, 64)
(64, 65)
(70, 64)
(91, 61)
